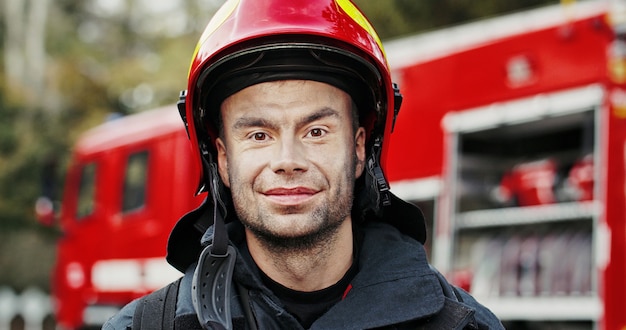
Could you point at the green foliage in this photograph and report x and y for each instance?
(8, 140)
(28, 137)
(26, 249)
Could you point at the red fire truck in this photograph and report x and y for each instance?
(130, 179)
(511, 137)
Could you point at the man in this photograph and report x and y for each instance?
(288, 105)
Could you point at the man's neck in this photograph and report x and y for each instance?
(316, 268)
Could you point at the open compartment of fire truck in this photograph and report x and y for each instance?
(522, 185)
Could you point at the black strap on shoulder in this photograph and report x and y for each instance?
(157, 310)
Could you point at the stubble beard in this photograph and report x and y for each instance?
(321, 235)
(326, 219)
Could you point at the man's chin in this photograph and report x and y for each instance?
(295, 241)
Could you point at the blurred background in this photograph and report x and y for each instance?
(68, 65)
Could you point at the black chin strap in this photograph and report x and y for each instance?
(212, 278)
(220, 235)
(213, 275)
(377, 186)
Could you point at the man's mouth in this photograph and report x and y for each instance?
(290, 196)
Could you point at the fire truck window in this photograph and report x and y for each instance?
(135, 182)
(87, 191)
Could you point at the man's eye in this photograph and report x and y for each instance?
(316, 132)
(259, 136)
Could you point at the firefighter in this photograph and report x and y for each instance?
(289, 106)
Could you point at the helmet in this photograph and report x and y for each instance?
(253, 41)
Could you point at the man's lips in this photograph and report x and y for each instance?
(290, 196)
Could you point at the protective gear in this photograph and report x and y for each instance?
(252, 41)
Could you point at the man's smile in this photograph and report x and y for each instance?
(290, 196)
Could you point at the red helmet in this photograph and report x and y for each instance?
(253, 41)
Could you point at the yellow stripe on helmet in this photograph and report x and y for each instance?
(218, 19)
(358, 17)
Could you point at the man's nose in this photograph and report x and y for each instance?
(289, 156)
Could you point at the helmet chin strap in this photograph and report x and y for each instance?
(211, 284)
(377, 187)
(397, 103)
(182, 109)
(212, 277)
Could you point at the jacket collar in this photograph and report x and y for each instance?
(394, 284)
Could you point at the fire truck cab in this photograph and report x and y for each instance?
(129, 180)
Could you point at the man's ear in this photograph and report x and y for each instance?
(222, 161)
(359, 144)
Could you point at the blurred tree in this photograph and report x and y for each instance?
(26, 249)
(24, 47)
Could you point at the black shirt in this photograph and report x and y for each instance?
(309, 306)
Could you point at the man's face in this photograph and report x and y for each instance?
(290, 157)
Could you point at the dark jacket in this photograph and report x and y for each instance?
(394, 289)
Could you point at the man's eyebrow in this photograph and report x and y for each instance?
(321, 113)
(246, 122)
